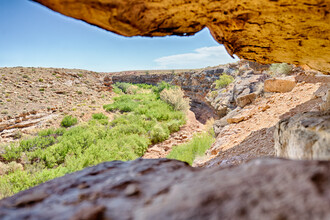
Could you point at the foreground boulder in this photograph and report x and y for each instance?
(304, 136)
(168, 189)
(292, 31)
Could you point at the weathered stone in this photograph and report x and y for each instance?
(325, 106)
(264, 31)
(243, 100)
(304, 136)
(145, 189)
(279, 84)
(313, 79)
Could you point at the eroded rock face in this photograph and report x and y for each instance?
(167, 189)
(291, 31)
(304, 136)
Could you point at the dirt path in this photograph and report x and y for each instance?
(185, 134)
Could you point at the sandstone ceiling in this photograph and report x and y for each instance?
(266, 31)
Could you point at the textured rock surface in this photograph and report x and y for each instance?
(279, 84)
(264, 112)
(165, 189)
(291, 31)
(258, 144)
(304, 136)
(325, 106)
(141, 79)
(247, 86)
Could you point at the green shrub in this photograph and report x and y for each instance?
(223, 81)
(278, 69)
(175, 97)
(161, 86)
(68, 121)
(122, 86)
(132, 89)
(174, 125)
(159, 133)
(144, 86)
(123, 104)
(116, 90)
(99, 116)
(189, 151)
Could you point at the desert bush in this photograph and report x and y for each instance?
(161, 86)
(145, 86)
(132, 89)
(278, 69)
(159, 133)
(223, 81)
(189, 151)
(99, 116)
(174, 125)
(68, 121)
(122, 103)
(116, 90)
(175, 97)
(209, 127)
(122, 86)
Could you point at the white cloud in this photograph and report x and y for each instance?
(202, 57)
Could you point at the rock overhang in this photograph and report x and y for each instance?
(291, 31)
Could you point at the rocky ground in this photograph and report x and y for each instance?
(264, 112)
(35, 98)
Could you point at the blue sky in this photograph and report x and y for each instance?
(32, 35)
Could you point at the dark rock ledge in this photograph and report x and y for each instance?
(167, 189)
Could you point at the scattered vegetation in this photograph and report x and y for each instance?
(141, 119)
(223, 81)
(277, 69)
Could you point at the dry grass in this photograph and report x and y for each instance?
(175, 97)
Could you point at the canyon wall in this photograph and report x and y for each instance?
(195, 84)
